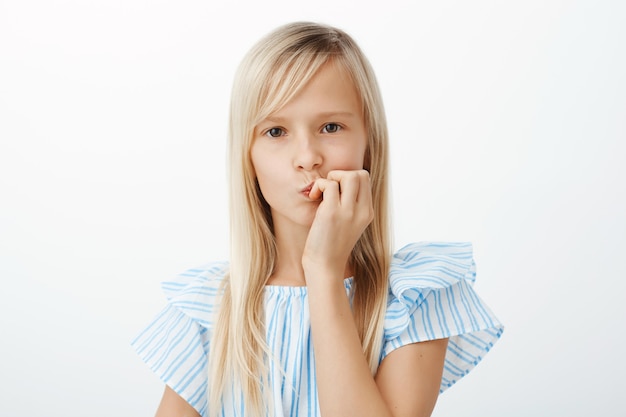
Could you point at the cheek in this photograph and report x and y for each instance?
(264, 184)
(264, 171)
(267, 173)
(259, 163)
(353, 158)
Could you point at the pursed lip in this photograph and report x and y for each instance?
(306, 190)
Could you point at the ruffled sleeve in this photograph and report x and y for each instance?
(176, 344)
(431, 297)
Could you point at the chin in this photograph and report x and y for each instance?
(297, 218)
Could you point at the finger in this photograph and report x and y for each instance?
(326, 189)
(349, 184)
(365, 188)
(315, 193)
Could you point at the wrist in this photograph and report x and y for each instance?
(321, 275)
(326, 291)
(323, 266)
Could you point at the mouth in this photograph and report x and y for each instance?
(306, 190)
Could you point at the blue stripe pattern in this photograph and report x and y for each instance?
(430, 297)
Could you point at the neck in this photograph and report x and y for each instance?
(290, 242)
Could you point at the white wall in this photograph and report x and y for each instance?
(508, 123)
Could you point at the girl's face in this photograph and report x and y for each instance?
(319, 130)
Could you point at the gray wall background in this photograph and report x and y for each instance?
(508, 130)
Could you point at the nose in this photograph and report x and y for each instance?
(307, 155)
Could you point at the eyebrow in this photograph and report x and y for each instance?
(323, 115)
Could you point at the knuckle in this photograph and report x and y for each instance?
(333, 174)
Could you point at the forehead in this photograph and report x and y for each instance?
(330, 90)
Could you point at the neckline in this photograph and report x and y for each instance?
(299, 289)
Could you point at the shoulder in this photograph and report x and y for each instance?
(419, 268)
(433, 263)
(195, 292)
(431, 297)
(175, 345)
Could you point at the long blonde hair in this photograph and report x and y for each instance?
(272, 73)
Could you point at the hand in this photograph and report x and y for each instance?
(341, 218)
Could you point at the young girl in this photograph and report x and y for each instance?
(313, 315)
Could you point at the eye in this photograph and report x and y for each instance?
(275, 132)
(331, 128)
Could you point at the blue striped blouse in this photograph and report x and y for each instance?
(430, 297)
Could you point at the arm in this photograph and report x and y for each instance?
(408, 379)
(173, 404)
(407, 383)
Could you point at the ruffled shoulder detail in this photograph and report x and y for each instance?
(419, 268)
(175, 345)
(431, 297)
(196, 291)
